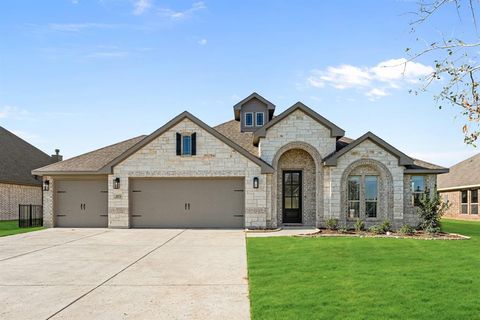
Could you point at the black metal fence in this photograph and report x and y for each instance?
(30, 216)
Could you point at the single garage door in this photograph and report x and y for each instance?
(187, 203)
(82, 203)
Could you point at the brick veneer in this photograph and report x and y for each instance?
(12, 195)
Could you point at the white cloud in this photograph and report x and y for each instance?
(76, 27)
(374, 82)
(202, 41)
(140, 6)
(74, 1)
(13, 112)
(376, 93)
(180, 15)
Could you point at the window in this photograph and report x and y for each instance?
(249, 119)
(186, 145)
(474, 201)
(354, 197)
(418, 188)
(260, 119)
(371, 196)
(464, 201)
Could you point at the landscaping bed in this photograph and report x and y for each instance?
(389, 234)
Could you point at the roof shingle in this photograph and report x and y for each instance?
(465, 173)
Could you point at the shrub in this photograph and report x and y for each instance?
(386, 226)
(332, 224)
(359, 225)
(342, 230)
(376, 229)
(431, 210)
(407, 230)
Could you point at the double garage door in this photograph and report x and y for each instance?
(187, 203)
(155, 203)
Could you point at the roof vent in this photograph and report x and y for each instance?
(57, 156)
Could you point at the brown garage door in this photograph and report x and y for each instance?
(81, 203)
(187, 203)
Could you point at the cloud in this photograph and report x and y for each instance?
(13, 112)
(375, 82)
(140, 6)
(202, 41)
(76, 27)
(181, 15)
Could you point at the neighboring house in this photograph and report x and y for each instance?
(256, 171)
(17, 184)
(461, 188)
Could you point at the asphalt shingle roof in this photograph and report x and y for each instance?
(18, 158)
(92, 161)
(465, 173)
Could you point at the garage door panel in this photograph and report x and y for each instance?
(170, 203)
(82, 203)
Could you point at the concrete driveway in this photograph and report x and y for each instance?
(124, 274)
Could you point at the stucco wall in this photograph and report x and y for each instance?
(12, 195)
(213, 159)
(333, 179)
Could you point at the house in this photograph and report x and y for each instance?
(17, 184)
(461, 187)
(256, 171)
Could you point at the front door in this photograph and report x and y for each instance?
(292, 197)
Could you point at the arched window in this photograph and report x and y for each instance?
(362, 196)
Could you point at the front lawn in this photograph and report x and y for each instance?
(10, 227)
(366, 278)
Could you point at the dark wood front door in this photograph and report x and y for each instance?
(292, 197)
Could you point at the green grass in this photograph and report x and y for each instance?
(7, 228)
(365, 278)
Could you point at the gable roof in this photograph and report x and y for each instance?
(335, 131)
(266, 168)
(18, 158)
(464, 174)
(91, 162)
(403, 159)
(238, 106)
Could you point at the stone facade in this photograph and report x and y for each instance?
(214, 159)
(12, 195)
(297, 159)
(296, 142)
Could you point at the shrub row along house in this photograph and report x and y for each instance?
(17, 185)
(256, 171)
(461, 188)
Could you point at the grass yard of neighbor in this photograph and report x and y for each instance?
(366, 278)
(10, 227)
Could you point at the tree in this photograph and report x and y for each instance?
(458, 65)
(431, 210)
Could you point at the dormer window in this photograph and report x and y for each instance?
(260, 119)
(249, 119)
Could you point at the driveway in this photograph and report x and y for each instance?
(124, 274)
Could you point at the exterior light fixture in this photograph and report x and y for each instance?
(46, 185)
(116, 183)
(255, 182)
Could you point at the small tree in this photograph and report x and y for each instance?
(431, 211)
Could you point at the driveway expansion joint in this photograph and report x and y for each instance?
(116, 274)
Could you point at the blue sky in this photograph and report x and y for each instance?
(78, 75)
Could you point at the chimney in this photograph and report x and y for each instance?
(57, 157)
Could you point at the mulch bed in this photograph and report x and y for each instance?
(365, 234)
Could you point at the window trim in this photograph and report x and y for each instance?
(472, 204)
(184, 136)
(464, 203)
(412, 189)
(256, 119)
(362, 214)
(245, 119)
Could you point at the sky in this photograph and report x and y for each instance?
(79, 75)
